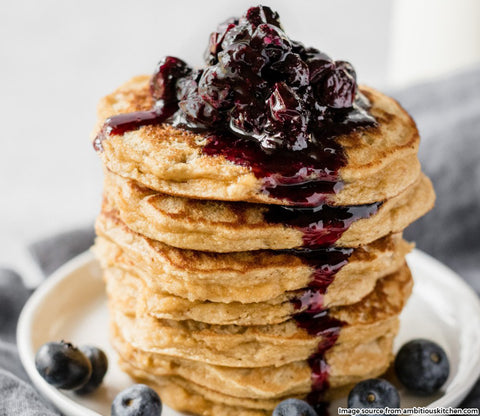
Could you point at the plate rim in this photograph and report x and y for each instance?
(67, 405)
(457, 394)
(24, 342)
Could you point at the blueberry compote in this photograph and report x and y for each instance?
(271, 104)
(264, 101)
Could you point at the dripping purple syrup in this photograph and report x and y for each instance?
(321, 225)
(327, 329)
(304, 178)
(315, 319)
(326, 262)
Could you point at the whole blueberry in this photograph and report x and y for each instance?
(336, 87)
(99, 363)
(422, 366)
(261, 14)
(62, 365)
(163, 82)
(137, 400)
(294, 407)
(294, 70)
(373, 394)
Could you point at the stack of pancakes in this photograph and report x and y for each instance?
(220, 309)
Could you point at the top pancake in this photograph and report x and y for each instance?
(381, 161)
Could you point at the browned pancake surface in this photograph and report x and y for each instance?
(382, 161)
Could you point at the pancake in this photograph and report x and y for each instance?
(229, 226)
(243, 277)
(381, 161)
(187, 396)
(265, 345)
(134, 297)
(293, 379)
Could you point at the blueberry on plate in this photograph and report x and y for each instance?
(422, 366)
(137, 400)
(294, 407)
(62, 365)
(99, 363)
(373, 394)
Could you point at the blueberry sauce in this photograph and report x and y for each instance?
(325, 262)
(304, 178)
(314, 318)
(300, 178)
(327, 329)
(273, 105)
(321, 225)
(130, 121)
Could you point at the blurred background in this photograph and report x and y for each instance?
(57, 58)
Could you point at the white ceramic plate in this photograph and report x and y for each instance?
(70, 305)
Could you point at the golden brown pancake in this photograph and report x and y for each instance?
(381, 161)
(243, 277)
(232, 226)
(266, 385)
(261, 345)
(135, 297)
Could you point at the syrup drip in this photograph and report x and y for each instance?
(315, 319)
(326, 262)
(327, 329)
(321, 225)
(304, 177)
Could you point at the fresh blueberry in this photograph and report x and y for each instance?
(62, 365)
(294, 407)
(374, 393)
(99, 363)
(422, 366)
(137, 400)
